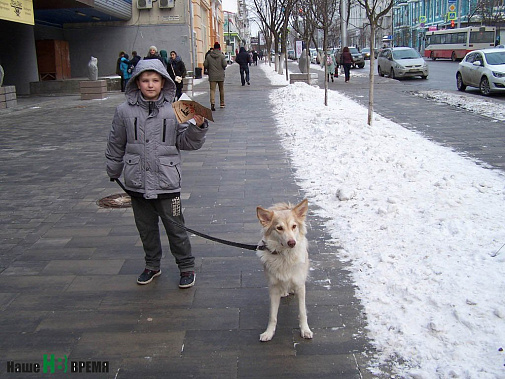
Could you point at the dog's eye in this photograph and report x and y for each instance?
(280, 228)
(294, 227)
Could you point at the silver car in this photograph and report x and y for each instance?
(483, 69)
(401, 62)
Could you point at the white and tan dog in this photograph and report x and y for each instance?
(285, 259)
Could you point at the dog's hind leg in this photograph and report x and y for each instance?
(275, 299)
(305, 331)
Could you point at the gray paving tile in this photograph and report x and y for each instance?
(96, 311)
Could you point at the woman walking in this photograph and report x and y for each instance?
(346, 60)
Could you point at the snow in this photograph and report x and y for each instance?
(420, 226)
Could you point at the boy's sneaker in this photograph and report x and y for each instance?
(147, 276)
(187, 279)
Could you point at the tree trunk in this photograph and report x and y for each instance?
(371, 74)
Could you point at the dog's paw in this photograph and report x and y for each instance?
(266, 336)
(306, 333)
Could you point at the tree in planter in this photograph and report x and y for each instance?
(324, 14)
(303, 24)
(272, 14)
(375, 11)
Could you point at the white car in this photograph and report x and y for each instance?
(483, 69)
(401, 62)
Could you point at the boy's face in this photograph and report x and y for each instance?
(150, 84)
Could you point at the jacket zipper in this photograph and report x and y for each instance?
(164, 128)
(135, 124)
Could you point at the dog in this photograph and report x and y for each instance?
(283, 252)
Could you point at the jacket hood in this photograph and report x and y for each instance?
(216, 53)
(176, 59)
(163, 54)
(242, 49)
(132, 92)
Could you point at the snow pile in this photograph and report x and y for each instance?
(422, 228)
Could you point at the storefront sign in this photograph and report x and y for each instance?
(17, 11)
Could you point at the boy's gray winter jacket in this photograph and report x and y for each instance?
(145, 139)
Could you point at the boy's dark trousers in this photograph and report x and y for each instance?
(147, 214)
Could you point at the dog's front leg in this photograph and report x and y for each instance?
(275, 299)
(305, 331)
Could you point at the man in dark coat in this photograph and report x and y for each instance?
(243, 59)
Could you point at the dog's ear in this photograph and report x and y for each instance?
(302, 209)
(264, 215)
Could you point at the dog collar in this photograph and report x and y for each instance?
(264, 247)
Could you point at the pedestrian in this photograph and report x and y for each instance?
(346, 61)
(215, 63)
(205, 70)
(255, 57)
(135, 58)
(243, 59)
(144, 145)
(118, 69)
(330, 67)
(153, 54)
(164, 59)
(177, 71)
(125, 72)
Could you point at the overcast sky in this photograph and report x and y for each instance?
(230, 5)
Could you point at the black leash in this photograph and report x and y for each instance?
(203, 235)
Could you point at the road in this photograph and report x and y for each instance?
(443, 78)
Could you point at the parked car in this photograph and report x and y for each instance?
(401, 62)
(483, 69)
(313, 56)
(359, 61)
(366, 52)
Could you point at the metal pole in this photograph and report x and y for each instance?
(193, 42)
(343, 23)
(459, 13)
(392, 26)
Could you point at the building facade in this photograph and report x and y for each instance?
(410, 19)
(102, 28)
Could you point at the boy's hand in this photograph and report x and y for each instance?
(199, 120)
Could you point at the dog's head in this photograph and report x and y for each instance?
(283, 223)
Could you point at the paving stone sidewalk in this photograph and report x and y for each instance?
(68, 268)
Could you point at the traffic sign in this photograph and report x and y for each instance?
(451, 16)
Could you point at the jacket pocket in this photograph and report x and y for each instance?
(132, 171)
(170, 176)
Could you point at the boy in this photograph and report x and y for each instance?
(144, 144)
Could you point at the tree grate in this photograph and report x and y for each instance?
(118, 200)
